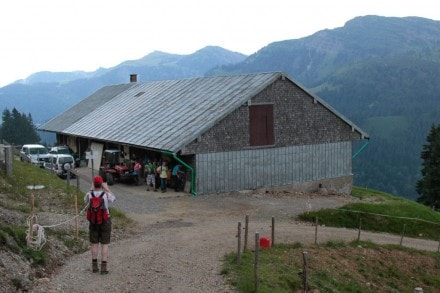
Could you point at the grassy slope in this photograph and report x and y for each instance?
(337, 267)
(350, 267)
(15, 205)
(381, 212)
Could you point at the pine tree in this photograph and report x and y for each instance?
(428, 187)
(18, 128)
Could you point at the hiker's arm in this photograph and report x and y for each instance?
(86, 198)
(110, 196)
(105, 187)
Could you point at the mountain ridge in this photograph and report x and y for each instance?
(31, 95)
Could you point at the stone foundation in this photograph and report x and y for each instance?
(333, 186)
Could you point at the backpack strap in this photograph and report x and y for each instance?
(92, 193)
(102, 195)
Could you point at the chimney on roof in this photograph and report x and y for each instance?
(133, 78)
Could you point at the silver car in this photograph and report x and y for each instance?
(35, 154)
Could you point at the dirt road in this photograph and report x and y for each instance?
(180, 239)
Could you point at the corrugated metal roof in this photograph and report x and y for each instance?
(72, 115)
(164, 115)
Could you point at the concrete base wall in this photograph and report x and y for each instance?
(334, 186)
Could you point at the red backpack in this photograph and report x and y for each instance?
(97, 213)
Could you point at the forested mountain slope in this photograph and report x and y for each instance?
(383, 74)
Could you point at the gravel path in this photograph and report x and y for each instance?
(180, 239)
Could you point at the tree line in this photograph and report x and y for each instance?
(428, 187)
(18, 128)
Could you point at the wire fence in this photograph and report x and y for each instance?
(269, 235)
(317, 232)
(35, 234)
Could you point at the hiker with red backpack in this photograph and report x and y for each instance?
(100, 225)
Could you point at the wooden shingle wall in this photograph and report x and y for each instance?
(298, 120)
(312, 144)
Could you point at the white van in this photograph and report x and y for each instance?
(61, 165)
(35, 154)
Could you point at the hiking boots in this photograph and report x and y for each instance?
(95, 268)
(104, 268)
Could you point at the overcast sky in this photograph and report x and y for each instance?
(69, 35)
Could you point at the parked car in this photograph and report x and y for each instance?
(65, 150)
(61, 164)
(35, 154)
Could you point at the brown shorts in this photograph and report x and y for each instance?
(100, 233)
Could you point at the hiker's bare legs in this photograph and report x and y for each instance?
(94, 250)
(104, 252)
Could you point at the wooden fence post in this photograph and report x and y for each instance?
(239, 243)
(304, 273)
(246, 233)
(316, 230)
(273, 232)
(68, 178)
(76, 216)
(257, 249)
(31, 222)
(403, 233)
(360, 229)
(9, 157)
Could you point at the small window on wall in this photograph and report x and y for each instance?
(261, 130)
